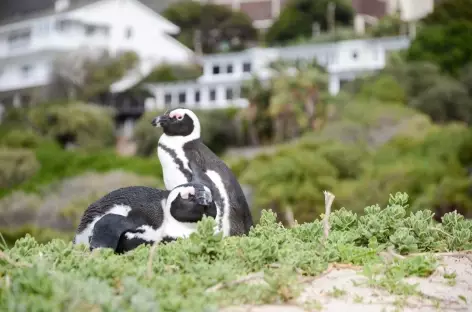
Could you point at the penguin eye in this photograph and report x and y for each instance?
(179, 117)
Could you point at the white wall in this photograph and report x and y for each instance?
(12, 77)
(412, 10)
(148, 30)
(148, 38)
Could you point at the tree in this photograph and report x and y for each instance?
(297, 19)
(446, 45)
(296, 101)
(258, 95)
(171, 72)
(219, 27)
(445, 36)
(445, 101)
(86, 72)
(84, 125)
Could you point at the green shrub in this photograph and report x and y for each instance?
(181, 275)
(89, 126)
(21, 139)
(16, 166)
(447, 100)
(57, 164)
(219, 130)
(169, 73)
(384, 88)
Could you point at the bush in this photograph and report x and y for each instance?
(21, 139)
(445, 101)
(443, 44)
(57, 164)
(16, 166)
(85, 125)
(428, 163)
(180, 276)
(169, 73)
(219, 130)
(384, 88)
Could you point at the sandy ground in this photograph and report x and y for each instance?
(438, 293)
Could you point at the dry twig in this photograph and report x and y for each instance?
(329, 198)
(150, 259)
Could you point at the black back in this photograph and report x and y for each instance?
(145, 204)
(204, 159)
(146, 209)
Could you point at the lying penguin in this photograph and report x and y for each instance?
(183, 155)
(128, 217)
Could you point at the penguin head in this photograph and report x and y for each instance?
(190, 202)
(179, 122)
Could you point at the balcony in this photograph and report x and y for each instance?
(52, 35)
(195, 95)
(343, 60)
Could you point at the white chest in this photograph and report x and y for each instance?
(171, 172)
(175, 229)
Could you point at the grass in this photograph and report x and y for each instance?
(205, 271)
(57, 164)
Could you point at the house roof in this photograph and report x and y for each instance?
(376, 8)
(12, 11)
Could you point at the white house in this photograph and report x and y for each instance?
(224, 74)
(34, 33)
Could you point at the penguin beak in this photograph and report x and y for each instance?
(159, 120)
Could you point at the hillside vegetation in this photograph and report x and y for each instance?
(203, 272)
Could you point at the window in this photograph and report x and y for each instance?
(128, 32)
(246, 67)
(19, 39)
(229, 69)
(229, 93)
(212, 95)
(354, 55)
(197, 96)
(167, 98)
(182, 97)
(89, 30)
(216, 70)
(25, 70)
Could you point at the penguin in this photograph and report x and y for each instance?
(128, 217)
(183, 156)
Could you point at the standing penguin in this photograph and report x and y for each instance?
(128, 217)
(185, 158)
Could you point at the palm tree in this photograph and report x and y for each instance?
(296, 96)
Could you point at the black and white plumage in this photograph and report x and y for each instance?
(184, 156)
(128, 217)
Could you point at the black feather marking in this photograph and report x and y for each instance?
(108, 230)
(178, 162)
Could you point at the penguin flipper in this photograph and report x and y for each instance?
(201, 195)
(108, 230)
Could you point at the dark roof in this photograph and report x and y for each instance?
(376, 8)
(16, 10)
(158, 5)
